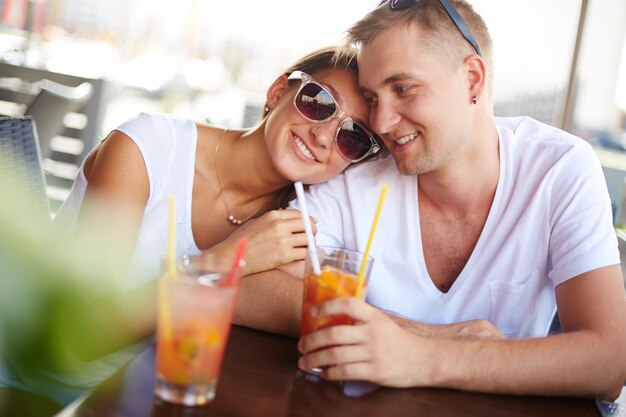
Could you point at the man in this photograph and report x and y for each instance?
(488, 226)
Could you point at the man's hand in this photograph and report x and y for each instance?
(373, 349)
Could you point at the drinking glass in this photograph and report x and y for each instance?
(194, 318)
(339, 268)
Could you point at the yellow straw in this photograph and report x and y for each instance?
(171, 249)
(360, 280)
(165, 319)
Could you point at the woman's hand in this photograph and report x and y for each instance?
(274, 239)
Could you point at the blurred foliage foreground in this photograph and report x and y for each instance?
(47, 280)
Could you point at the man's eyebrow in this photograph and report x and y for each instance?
(401, 76)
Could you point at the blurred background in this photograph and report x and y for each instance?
(81, 67)
(560, 61)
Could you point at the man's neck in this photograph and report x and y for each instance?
(467, 183)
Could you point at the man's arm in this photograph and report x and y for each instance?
(470, 329)
(587, 360)
(272, 300)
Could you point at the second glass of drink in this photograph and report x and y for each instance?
(339, 269)
(194, 317)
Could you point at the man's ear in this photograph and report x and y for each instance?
(276, 91)
(476, 70)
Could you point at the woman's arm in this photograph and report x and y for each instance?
(115, 199)
(272, 301)
(109, 220)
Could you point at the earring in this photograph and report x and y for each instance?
(474, 100)
(267, 109)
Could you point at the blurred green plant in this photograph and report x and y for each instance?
(48, 280)
(45, 285)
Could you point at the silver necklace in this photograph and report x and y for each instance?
(231, 217)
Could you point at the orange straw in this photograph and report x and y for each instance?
(360, 280)
(233, 277)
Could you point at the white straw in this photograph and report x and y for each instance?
(312, 249)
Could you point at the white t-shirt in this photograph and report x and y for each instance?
(168, 147)
(550, 221)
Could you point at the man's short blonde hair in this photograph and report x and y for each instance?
(442, 35)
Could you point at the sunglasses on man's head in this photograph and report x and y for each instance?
(316, 104)
(450, 10)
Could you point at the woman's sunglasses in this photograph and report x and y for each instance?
(316, 104)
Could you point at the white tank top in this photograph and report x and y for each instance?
(168, 147)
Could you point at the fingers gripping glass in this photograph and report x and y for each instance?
(450, 10)
(316, 104)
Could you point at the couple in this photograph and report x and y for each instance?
(489, 226)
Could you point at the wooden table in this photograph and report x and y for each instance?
(260, 378)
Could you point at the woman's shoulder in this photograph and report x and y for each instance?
(209, 132)
(164, 142)
(160, 137)
(156, 126)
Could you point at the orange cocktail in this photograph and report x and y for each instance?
(331, 283)
(195, 313)
(338, 278)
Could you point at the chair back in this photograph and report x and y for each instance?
(50, 106)
(22, 183)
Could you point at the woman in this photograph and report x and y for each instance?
(225, 181)
(227, 184)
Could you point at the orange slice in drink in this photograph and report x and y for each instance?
(188, 348)
(329, 278)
